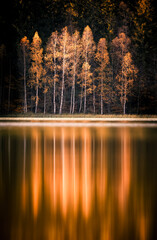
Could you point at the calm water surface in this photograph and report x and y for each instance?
(78, 183)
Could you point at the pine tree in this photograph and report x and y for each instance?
(36, 67)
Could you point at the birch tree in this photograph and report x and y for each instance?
(88, 50)
(36, 55)
(24, 43)
(74, 66)
(64, 57)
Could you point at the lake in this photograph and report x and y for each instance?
(78, 182)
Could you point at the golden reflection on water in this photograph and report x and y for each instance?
(78, 183)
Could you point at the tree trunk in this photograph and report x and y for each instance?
(62, 90)
(138, 97)
(9, 152)
(24, 76)
(31, 99)
(54, 97)
(9, 90)
(93, 97)
(101, 96)
(36, 100)
(124, 107)
(45, 100)
(81, 98)
(73, 91)
(85, 95)
(54, 85)
(73, 108)
(71, 102)
(85, 79)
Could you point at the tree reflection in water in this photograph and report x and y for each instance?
(78, 183)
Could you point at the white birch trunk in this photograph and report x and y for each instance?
(101, 95)
(63, 75)
(36, 100)
(73, 108)
(73, 91)
(74, 78)
(85, 86)
(85, 91)
(54, 84)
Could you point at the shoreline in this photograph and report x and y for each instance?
(78, 122)
(78, 119)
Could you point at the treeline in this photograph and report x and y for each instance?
(73, 75)
(93, 56)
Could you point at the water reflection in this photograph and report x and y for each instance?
(78, 183)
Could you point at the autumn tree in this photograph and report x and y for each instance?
(36, 55)
(129, 75)
(102, 58)
(24, 44)
(88, 50)
(76, 48)
(125, 71)
(64, 56)
(86, 74)
(51, 66)
(45, 86)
